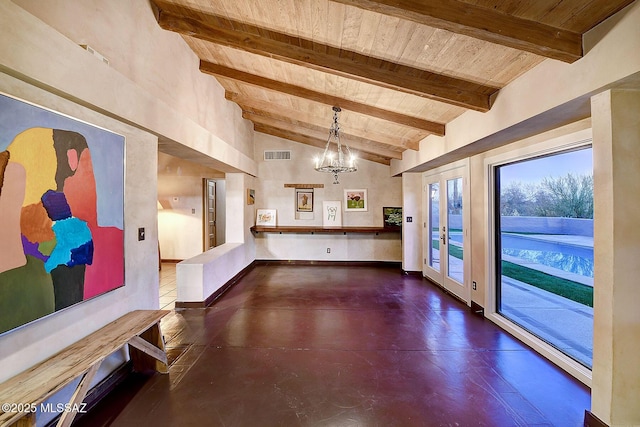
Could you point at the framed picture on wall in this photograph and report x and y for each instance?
(304, 200)
(266, 217)
(251, 196)
(356, 200)
(331, 213)
(62, 199)
(392, 218)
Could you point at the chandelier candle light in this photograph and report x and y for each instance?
(336, 161)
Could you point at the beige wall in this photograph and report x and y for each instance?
(412, 256)
(382, 190)
(616, 371)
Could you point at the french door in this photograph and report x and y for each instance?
(445, 232)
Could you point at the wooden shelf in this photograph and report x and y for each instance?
(304, 229)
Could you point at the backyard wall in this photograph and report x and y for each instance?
(547, 225)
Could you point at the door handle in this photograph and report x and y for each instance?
(444, 239)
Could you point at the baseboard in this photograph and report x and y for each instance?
(591, 420)
(477, 309)
(219, 292)
(412, 273)
(387, 264)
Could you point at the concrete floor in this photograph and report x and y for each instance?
(342, 346)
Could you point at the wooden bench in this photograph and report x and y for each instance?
(21, 395)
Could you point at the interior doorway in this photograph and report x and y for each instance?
(209, 213)
(213, 212)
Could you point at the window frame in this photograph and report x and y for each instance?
(573, 141)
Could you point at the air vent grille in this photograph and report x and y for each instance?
(277, 155)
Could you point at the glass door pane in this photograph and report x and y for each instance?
(544, 249)
(434, 226)
(453, 232)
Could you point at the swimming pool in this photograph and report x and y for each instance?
(563, 256)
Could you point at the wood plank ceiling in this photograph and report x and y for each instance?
(399, 69)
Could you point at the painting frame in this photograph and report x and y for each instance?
(266, 217)
(331, 213)
(77, 186)
(251, 196)
(355, 200)
(304, 200)
(392, 217)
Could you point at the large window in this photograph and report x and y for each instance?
(544, 249)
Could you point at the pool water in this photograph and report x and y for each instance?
(563, 256)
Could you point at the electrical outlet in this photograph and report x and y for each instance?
(409, 219)
(474, 285)
(328, 250)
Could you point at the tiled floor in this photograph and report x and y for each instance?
(342, 346)
(168, 291)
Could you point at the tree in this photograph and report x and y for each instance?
(513, 200)
(569, 196)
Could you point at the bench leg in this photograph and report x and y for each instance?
(147, 351)
(28, 420)
(78, 396)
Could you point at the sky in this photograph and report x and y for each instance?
(578, 162)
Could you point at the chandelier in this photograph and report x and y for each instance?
(339, 159)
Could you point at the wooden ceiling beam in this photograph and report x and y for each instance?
(325, 58)
(481, 23)
(315, 142)
(284, 113)
(301, 92)
(355, 143)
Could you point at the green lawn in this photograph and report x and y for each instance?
(569, 289)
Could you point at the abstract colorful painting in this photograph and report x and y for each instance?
(61, 212)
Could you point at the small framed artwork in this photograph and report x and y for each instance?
(392, 217)
(304, 200)
(331, 213)
(266, 217)
(251, 196)
(356, 200)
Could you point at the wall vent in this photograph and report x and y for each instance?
(95, 53)
(277, 154)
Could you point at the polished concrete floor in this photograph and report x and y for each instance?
(342, 346)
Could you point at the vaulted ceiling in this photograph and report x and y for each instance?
(399, 69)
